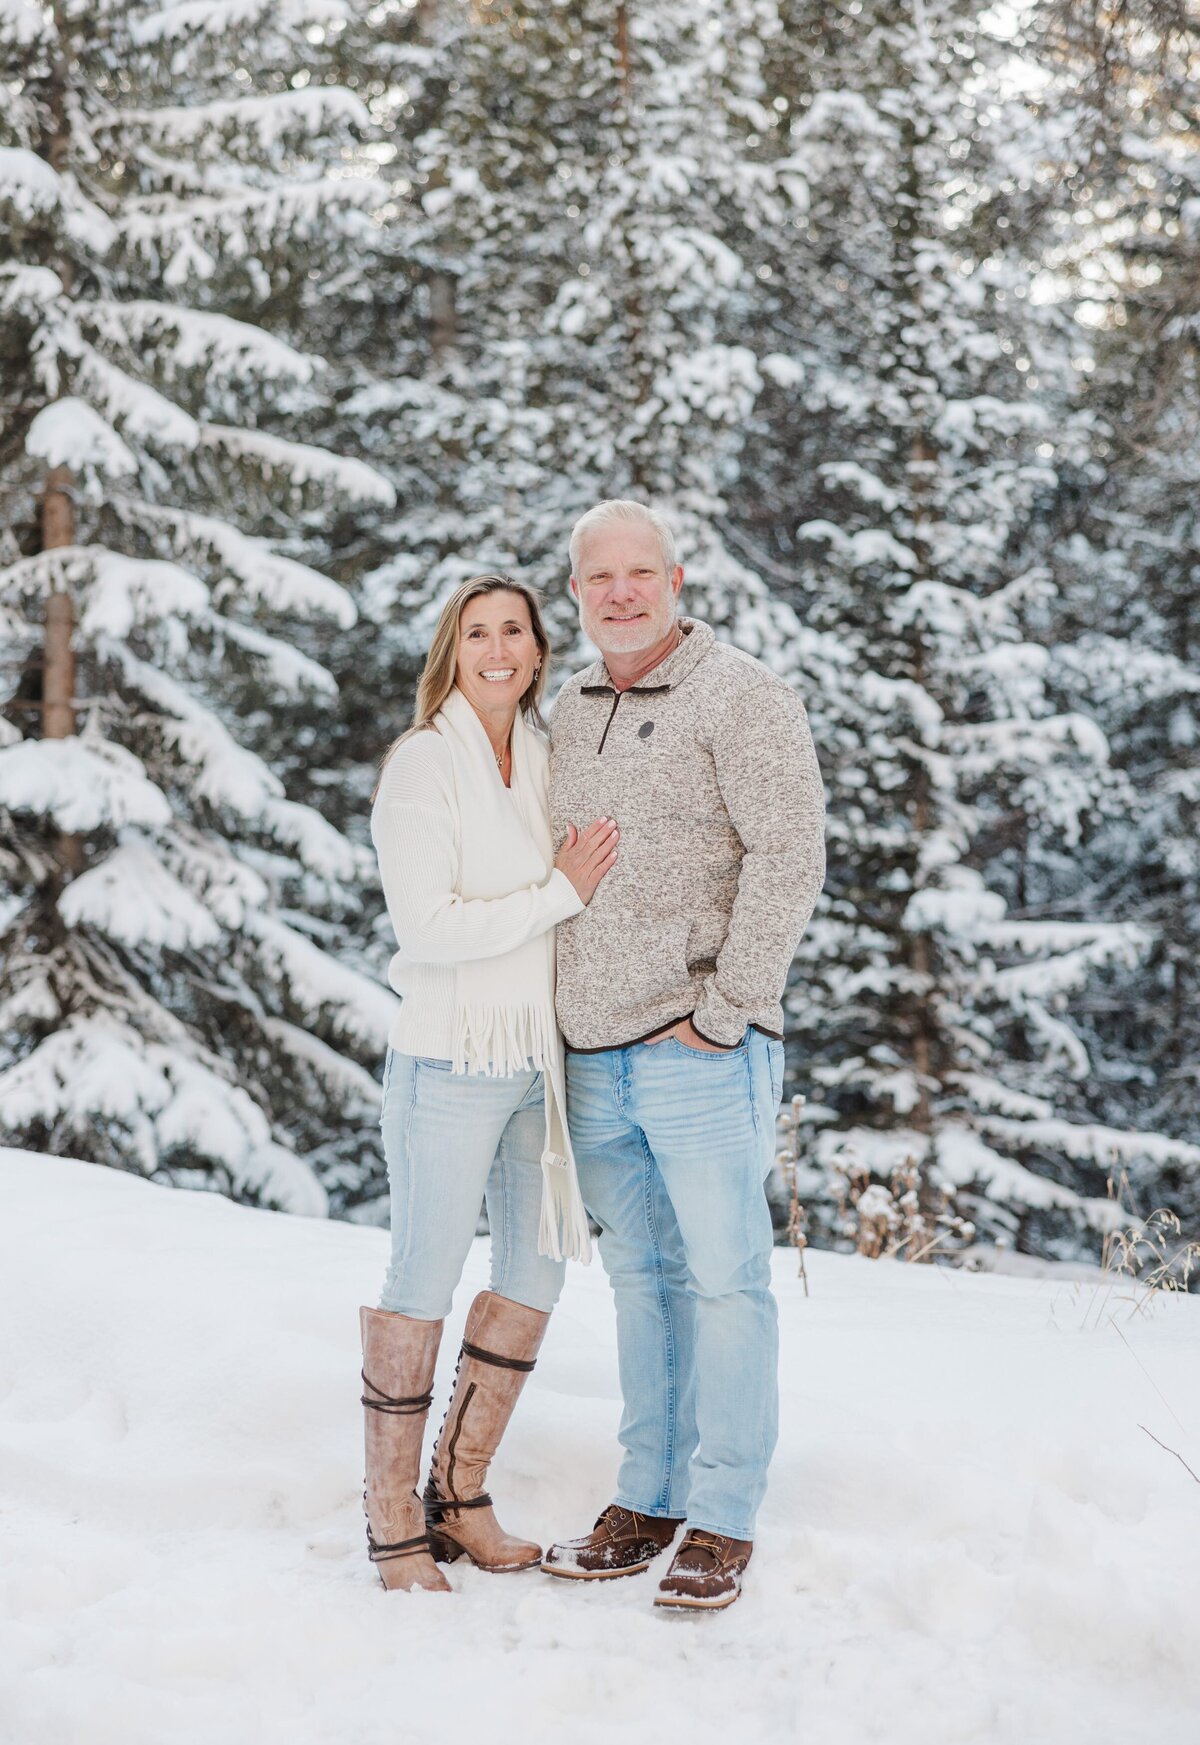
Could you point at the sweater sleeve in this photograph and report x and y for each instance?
(771, 783)
(412, 827)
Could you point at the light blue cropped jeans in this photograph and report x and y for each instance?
(673, 1147)
(452, 1141)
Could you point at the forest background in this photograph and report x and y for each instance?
(310, 308)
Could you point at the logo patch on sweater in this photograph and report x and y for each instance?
(645, 730)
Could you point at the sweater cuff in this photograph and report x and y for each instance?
(566, 899)
(715, 1020)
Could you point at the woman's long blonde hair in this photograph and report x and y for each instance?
(437, 676)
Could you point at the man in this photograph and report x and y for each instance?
(669, 989)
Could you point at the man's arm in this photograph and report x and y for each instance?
(771, 784)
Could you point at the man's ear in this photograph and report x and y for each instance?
(575, 587)
(677, 580)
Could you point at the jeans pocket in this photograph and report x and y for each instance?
(434, 1065)
(738, 1049)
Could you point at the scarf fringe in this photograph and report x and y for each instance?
(563, 1231)
(502, 1040)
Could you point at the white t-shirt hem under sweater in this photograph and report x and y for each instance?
(415, 829)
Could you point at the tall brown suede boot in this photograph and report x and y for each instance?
(398, 1359)
(500, 1345)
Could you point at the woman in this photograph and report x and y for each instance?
(473, 1098)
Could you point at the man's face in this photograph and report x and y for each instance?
(626, 594)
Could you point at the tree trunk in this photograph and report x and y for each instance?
(443, 312)
(58, 678)
(58, 675)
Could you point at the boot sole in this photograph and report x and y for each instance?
(669, 1603)
(447, 1551)
(594, 1574)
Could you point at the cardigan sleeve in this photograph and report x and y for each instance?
(412, 827)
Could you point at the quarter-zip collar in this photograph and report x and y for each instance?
(698, 638)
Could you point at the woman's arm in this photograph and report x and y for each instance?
(418, 865)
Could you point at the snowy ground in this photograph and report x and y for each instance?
(968, 1536)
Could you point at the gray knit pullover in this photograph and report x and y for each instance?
(708, 767)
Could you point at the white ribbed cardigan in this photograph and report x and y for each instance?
(415, 829)
(417, 826)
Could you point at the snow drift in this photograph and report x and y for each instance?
(968, 1536)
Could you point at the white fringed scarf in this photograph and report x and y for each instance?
(504, 1006)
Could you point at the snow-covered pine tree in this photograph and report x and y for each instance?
(906, 474)
(172, 177)
(564, 176)
(1125, 94)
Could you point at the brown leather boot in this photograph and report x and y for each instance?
(398, 1358)
(706, 1572)
(621, 1543)
(500, 1345)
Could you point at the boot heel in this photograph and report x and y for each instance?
(444, 1550)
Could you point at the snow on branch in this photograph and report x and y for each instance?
(1037, 742)
(144, 413)
(255, 573)
(280, 664)
(320, 985)
(27, 287)
(324, 850)
(131, 898)
(850, 476)
(870, 545)
(31, 578)
(126, 593)
(966, 424)
(237, 223)
(195, 339)
(991, 1094)
(269, 122)
(218, 18)
(208, 867)
(276, 1176)
(1103, 1146)
(964, 1161)
(35, 191)
(80, 784)
(1065, 972)
(27, 183)
(358, 1093)
(302, 463)
(70, 434)
(24, 22)
(228, 774)
(165, 1100)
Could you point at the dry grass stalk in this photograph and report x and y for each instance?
(788, 1159)
(910, 1217)
(1152, 1253)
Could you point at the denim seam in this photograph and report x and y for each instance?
(664, 1305)
(409, 1168)
(757, 1124)
(397, 1264)
(506, 1215)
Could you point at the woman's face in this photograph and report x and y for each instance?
(496, 652)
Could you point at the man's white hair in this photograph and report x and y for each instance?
(622, 509)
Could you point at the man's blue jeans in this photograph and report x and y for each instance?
(673, 1147)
